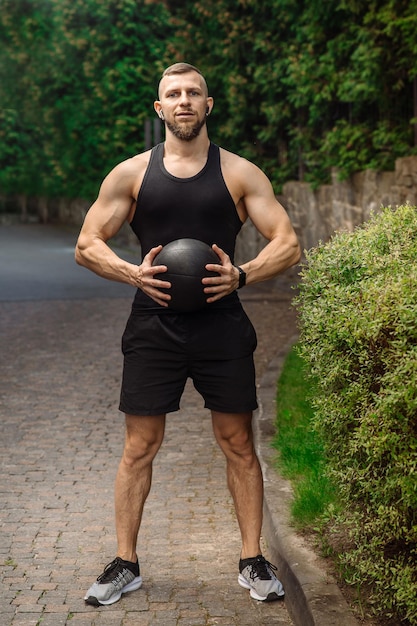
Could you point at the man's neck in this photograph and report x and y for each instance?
(185, 159)
(178, 148)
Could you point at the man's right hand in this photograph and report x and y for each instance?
(145, 278)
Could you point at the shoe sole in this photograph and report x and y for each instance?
(133, 586)
(271, 597)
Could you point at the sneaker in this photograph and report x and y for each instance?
(257, 574)
(118, 577)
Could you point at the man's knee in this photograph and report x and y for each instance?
(144, 436)
(234, 434)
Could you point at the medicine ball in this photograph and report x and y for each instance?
(186, 260)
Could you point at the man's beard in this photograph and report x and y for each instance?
(186, 132)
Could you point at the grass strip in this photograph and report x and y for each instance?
(301, 457)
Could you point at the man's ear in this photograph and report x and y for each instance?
(210, 105)
(158, 109)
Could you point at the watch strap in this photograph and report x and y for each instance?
(242, 277)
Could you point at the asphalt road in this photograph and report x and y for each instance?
(37, 263)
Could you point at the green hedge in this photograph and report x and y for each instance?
(358, 318)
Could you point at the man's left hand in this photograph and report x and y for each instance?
(217, 287)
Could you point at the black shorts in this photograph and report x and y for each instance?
(213, 348)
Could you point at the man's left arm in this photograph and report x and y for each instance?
(271, 220)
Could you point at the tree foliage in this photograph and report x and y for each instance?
(300, 87)
(78, 77)
(308, 85)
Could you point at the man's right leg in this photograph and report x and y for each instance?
(144, 436)
(143, 439)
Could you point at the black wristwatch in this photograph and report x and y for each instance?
(242, 277)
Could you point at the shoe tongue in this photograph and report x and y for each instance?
(262, 571)
(108, 574)
(261, 568)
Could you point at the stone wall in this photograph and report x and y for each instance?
(342, 205)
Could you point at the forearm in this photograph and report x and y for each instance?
(98, 257)
(277, 256)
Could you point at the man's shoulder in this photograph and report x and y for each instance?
(133, 165)
(226, 156)
(236, 164)
(128, 174)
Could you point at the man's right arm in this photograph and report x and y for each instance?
(103, 221)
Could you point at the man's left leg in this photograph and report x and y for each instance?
(233, 432)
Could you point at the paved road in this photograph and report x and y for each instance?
(61, 437)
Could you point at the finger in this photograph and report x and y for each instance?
(161, 297)
(160, 301)
(146, 278)
(216, 289)
(160, 284)
(153, 252)
(217, 269)
(213, 280)
(154, 270)
(215, 297)
(220, 253)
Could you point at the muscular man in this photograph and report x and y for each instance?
(187, 187)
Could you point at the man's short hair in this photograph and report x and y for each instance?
(183, 68)
(180, 68)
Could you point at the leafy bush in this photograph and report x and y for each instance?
(358, 318)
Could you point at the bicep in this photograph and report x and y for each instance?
(111, 209)
(267, 214)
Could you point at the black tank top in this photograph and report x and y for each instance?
(169, 208)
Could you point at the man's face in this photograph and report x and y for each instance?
(184, 102)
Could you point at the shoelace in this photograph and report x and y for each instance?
(261, 568)
(107, 575)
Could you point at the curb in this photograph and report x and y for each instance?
(313, 597)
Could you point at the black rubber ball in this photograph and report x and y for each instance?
(186, 260)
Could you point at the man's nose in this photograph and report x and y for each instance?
(185, 99)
